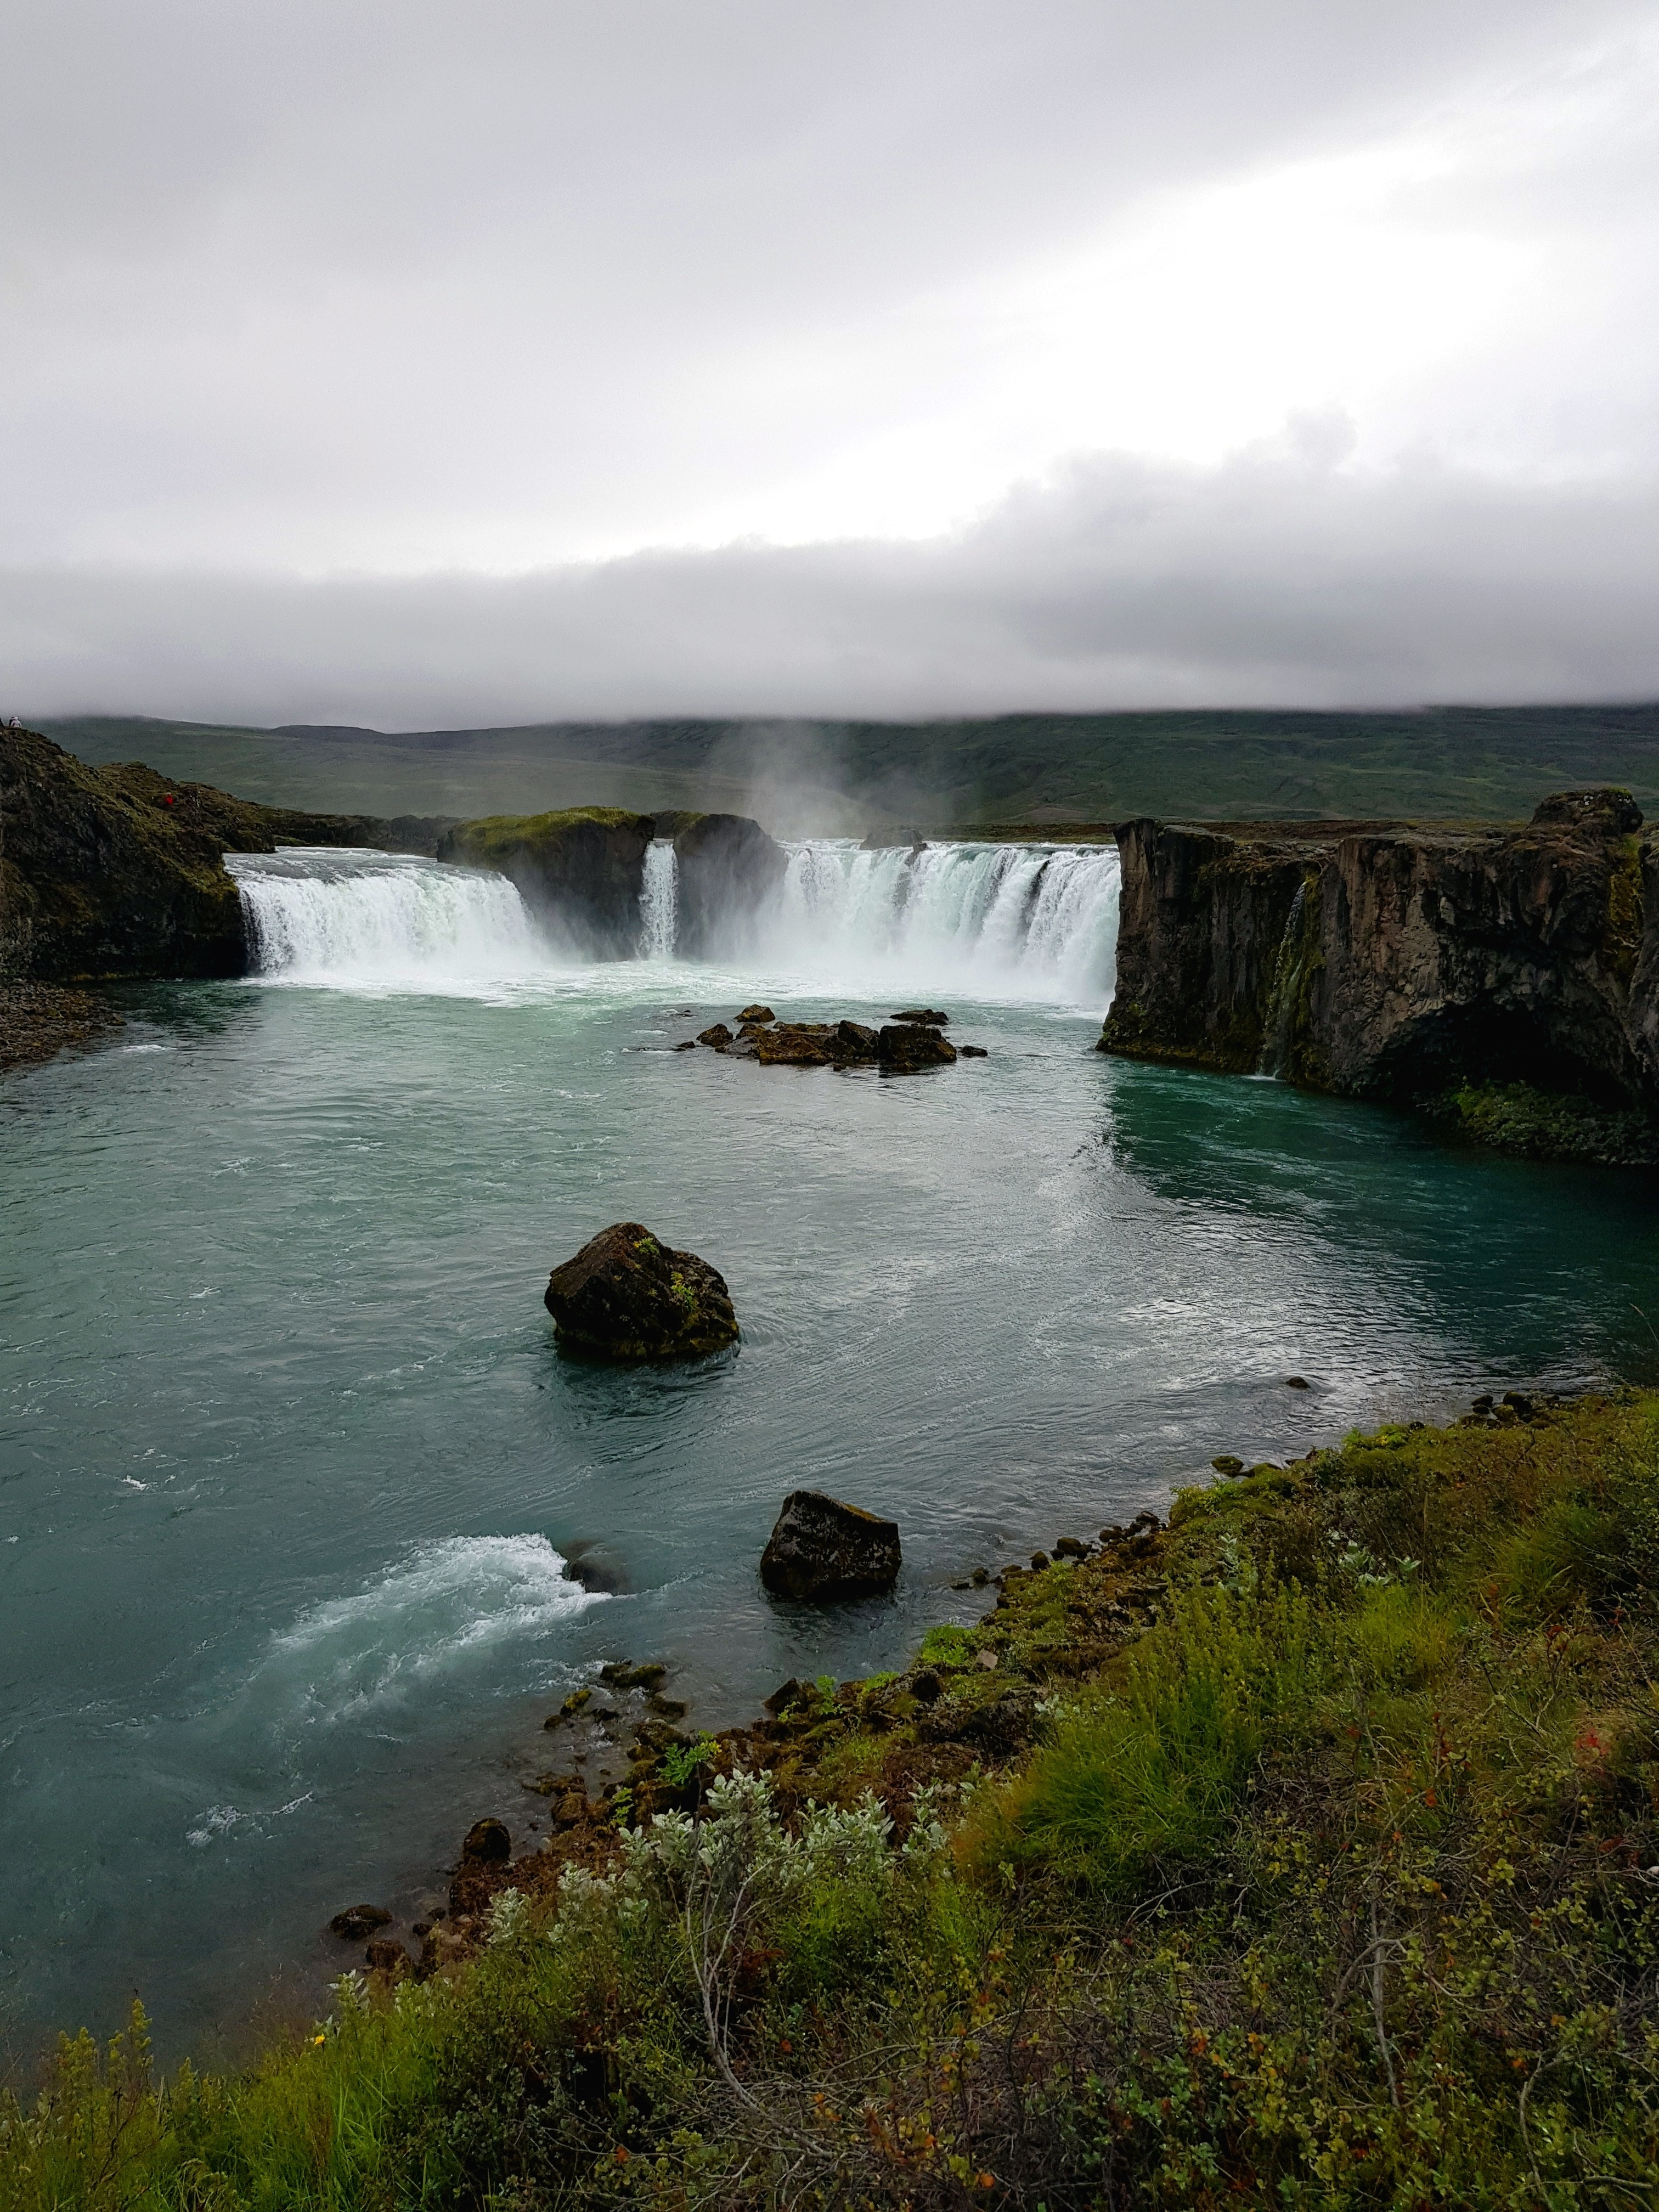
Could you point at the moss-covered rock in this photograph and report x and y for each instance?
(628, 1296)
(580, 870)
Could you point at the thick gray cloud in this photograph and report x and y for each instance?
(1275, 580)
(357, 357)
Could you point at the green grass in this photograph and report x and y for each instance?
(1490, 764)
(1320, 1878)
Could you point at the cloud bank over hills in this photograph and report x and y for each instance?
(409, 366)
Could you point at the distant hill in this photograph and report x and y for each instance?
(1479, 764)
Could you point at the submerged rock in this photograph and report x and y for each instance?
(821, 1548)
(627, 1296)
(358, 1921)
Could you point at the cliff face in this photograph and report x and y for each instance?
(581, 870)
(727, 869)
(117, 871)
(1391, 963)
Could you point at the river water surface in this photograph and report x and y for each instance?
(289, 1466)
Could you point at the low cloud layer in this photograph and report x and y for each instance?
(1281, 577)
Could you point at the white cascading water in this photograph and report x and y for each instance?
(657, 900)
(385, 921)
(1015, 922)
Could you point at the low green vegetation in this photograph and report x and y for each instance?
(1303, 1854)
(1544, 1125)
(1475, 763)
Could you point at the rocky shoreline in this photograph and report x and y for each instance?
(969, 1701)
(39, 1020)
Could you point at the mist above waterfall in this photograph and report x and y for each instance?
(1013, 923)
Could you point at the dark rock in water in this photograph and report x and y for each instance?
(488, 1839)
(582, 869)
(569, 1710)
(689, 1045)
(726, 870)
(650, 1675)
(388, 1956)
(788, 1693)
(1039, 1561)
(1295, 1383)
(793, 1044)
(972, 1052)
(719, 1036)
(1070, 1548)
(596, 1567)
(821, 1548)
(929, 1015)
(757, 1014)
(905, 1046)
(1228, 1463)
(625, 1295)
(358, 1921)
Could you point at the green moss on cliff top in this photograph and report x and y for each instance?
(493, 836)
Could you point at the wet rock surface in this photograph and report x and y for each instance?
(901, 1047)
(119, 872)
(580, 869)
(1500, 972)
(726, 870)
(824, 1550)
(627, 1296)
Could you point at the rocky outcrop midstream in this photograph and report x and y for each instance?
(726, 871)
(580, 870)
(108, 873)
(1379, 961)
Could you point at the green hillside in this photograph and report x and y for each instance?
(1487, 764)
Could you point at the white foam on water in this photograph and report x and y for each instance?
(362, 921)
(444, 1608)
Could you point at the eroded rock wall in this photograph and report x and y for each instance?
(1394, 962)
(728, 870)
(115, 872)
(580, 870)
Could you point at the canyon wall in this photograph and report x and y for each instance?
(118, 871)
(1379, 961)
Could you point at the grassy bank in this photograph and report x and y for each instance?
(1301, 1854)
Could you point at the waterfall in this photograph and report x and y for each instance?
(369, 920)
(657, 900)
(1286, 986)
(1019, 922)
(1009, 920)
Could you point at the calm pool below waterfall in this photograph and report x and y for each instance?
(289, 1465)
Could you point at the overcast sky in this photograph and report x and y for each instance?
(422, 364)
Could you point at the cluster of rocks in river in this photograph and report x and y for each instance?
(910, 1041)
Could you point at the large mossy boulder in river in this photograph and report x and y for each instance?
(629, 1296)
(581, 870)
(823, 1549)
(727, 871)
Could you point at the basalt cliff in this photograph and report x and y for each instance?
(1508, 978)
(111, 872)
